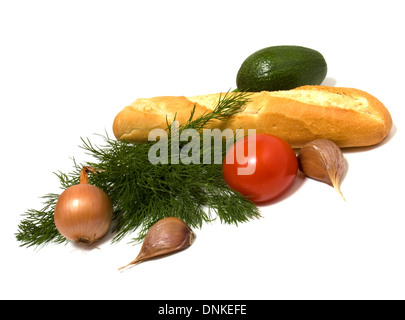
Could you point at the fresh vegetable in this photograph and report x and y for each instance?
(83, 212)
(323, 160)
(281, 68)
(165, 237)
(142, 193)
(275, 164)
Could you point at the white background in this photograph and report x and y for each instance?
(68, 67)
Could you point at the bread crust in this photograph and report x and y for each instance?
(347, 116)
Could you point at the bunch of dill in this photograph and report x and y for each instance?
(143, 193)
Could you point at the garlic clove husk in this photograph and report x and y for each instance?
(167, 236)
(323, 160)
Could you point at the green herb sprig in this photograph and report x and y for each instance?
(143, 193)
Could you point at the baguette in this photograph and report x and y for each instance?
(347, 116)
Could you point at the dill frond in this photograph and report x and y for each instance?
(143, 193)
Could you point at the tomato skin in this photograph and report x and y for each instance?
(275, 171)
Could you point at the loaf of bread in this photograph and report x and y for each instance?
(347, 116)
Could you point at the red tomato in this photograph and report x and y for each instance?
(263, 174)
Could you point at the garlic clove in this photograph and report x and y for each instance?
(323, 160)
(167, 236)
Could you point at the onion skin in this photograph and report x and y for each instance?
(83, 213)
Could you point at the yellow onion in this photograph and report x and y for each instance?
(83, 213)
